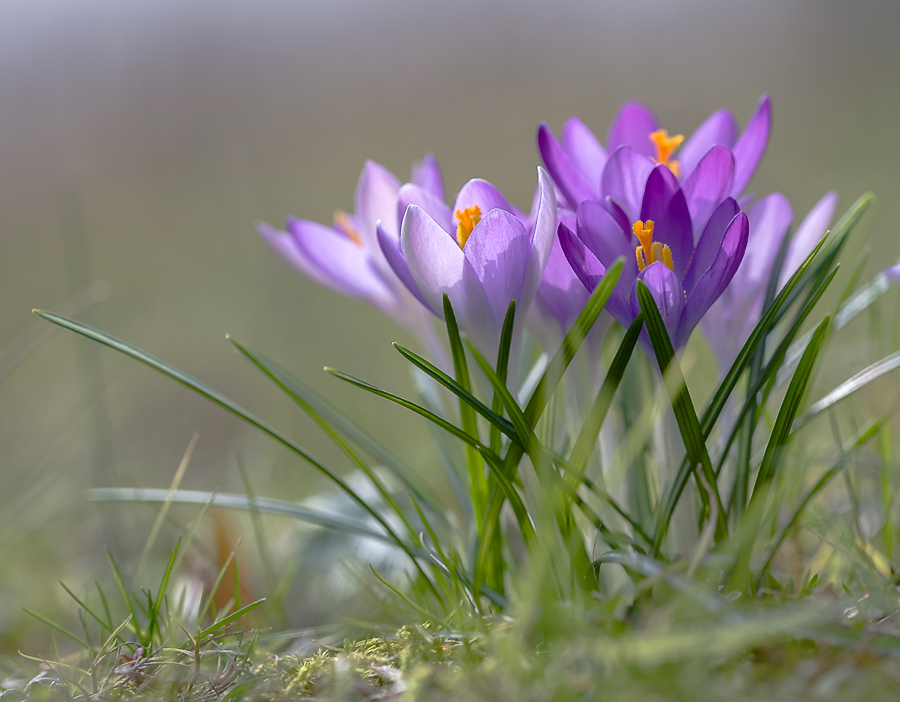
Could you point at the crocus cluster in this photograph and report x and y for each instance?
(674, 209)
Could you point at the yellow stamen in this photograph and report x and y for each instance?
(650, 251)
(467, 219)
(665, 147)
(343, 222)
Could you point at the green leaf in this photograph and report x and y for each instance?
(757, 336)
(864, 435)
(336, 423)
(126, 596)
(506, 336)
(523, 428)
(775, 449)
(161, 593)
(491, 415)
(222, 401)
(850, 386)
(781, 433)
(590, 429)
(421, 411)
(478, 484)
(685, 415)
(328, 520)
(233, 617)
(61, 629)
(572, 342)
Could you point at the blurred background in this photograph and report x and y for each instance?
(141, 141)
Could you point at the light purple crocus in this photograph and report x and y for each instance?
(482, 253)
(728, 323)
(347, 256)
(582, 167)
(686, 271)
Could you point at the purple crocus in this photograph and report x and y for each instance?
(482, 253)
(346, 256)
(729, 322)
(685, 266)
(583, 168)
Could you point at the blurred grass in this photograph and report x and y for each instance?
(178, 125)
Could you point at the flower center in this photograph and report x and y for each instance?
(650, 251)
(343, 222)
(467, 219)
(665, 147)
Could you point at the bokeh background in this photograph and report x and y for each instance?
(140, 141)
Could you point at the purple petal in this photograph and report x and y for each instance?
(605, 239)
(499, 249)
(479, 192)
(567, 176)
(560, 294)
(893, 273)
(719, 128)
(390, 246)
(751, 145)
(345, 264)
(411, 194)
(633, 126)
(285, 246)
(427, 175)
(624, 179)
(664, 203)
(376, 199)
(710, 240)
(543, 220)
(584, 149)
(770, 219)
(708, 185)
(439, 267)
(589, 271)
(716, 278)
(666, 290)
(808, 234)
(618, 214)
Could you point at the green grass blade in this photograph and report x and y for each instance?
(765, 324)
(285, 384)
(161, 594)
(125, 596)
(864, 435)
(84, 606)
(590, 429)
(418, 409)
(685, 415)
(571, 343)
(850, 386)
(478, 484)
(781, 433)
(749, 526)
(491, 415)
(265, 505)
(506, 337)
(233, 617)
(523, 428)
(61, 629)
(222, 401)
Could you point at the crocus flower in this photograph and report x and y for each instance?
(729, 322)
(582, 167)
(656, 236)
(479, 253)
(346, 256)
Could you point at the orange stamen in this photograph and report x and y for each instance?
(650, 251)
(343, 222)
(665, 147)
(467, 219)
